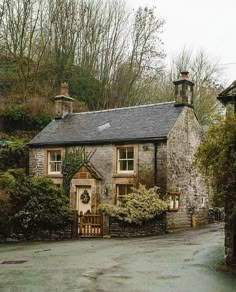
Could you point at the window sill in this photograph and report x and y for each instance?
(55, 175)
(125, 174)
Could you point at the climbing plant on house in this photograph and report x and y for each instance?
(74, 158)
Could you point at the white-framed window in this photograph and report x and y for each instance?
(121, 191)
(174, 199)
(54, 162)
(125, 159)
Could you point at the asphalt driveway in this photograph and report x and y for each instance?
(182, 261)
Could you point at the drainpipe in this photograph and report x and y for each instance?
(155, 163)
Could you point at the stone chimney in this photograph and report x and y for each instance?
(183, 90)
(63, 102)
(64, 90)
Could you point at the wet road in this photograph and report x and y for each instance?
(183, 261)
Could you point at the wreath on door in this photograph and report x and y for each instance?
(84, 197)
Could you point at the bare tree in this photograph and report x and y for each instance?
(19, 38)
(95, 43)
(144, 61)
(205, 73)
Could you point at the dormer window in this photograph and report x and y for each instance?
(54, 162)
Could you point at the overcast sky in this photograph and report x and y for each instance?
(196, 24)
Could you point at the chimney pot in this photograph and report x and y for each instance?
(64, 89)
(184, 74)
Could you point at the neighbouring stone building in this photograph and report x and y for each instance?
(150, 144)
(228, 99)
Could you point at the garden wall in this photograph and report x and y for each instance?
(154, 226)
(67, 233)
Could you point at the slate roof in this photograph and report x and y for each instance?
(147, 122)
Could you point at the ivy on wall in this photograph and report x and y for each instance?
(74, 158)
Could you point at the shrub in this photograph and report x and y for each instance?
(36, 204)
(139, 206)
(5, 210)
(14, 155)
(20, 117)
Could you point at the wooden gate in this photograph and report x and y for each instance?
(90, 225)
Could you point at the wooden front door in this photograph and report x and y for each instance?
(84, 199)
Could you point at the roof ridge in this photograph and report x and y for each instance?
(122, 108)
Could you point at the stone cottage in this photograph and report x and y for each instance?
(151, 144)
(228, 99)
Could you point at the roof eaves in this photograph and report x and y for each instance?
(228, 89)
(65, 97)
(98, 142)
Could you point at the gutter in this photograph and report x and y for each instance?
(98, 142)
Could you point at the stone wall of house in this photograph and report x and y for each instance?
(182, 176)
(104, 158)
(146, 164)
(161, 160)
(147, 175)
(37, 161)
(155, 226)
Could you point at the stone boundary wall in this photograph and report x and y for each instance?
(40, 236)
(156, 226)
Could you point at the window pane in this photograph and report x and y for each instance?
(58, 166)
(123, 165)
(122, 152)
(130, 153)
(130, 165)
(122, 190)
(52, 167)
(52, 156)
(171, 203)
(55, 155)
(58, 156)
(177, 202)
